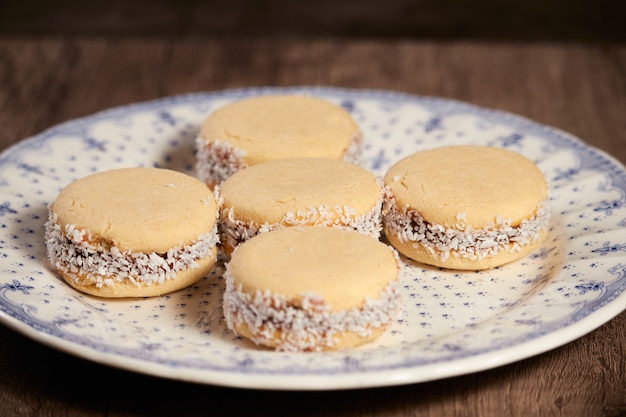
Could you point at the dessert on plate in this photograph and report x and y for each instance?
(465, 207)
(311, 289)
(264, 128)
(132, 232)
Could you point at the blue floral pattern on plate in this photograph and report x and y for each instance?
(453, 322)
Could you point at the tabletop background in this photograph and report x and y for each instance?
(560, 63)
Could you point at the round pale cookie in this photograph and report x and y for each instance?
(265, 128)
(132, 232)
(465, 207)
(298, 192)
(311, 289)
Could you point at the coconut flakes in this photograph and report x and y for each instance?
(217, 161)
(460, 239)
(73, 251)
(234, 231)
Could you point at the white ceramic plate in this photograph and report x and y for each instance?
(453, 323)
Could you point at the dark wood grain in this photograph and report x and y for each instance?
(576, 87)
(579, 88)
(565, 20)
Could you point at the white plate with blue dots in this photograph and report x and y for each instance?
(453, 322)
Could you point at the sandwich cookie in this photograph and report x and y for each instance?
(132, 232)
(312, 289)
(265, 128)
(465, 207)
(298, 192)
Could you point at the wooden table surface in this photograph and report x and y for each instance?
(579, 87)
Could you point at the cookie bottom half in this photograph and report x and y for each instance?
(126, 288)
(452, 260)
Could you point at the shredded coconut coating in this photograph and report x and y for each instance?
(354, 151)
(73, 251)
(461, 239)
(234, 231)
(309, 327)
(216, 161)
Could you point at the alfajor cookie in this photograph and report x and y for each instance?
(132, 232)
(264, 128)
(465, 207)
(298, 192)
(312, 289)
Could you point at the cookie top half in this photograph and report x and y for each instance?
(475, 184)
(282, 126)
(138, 209)
(343, 267)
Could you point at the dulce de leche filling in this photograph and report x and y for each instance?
(234, 231)
(461, 239)
(273, 320)
(88, 261)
